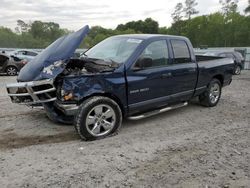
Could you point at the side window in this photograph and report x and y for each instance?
(156, 54)
(21, 53)
(2, 59)
(181, 51)
(31, 53)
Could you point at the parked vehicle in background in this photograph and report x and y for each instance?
(236, 56)
(10, 64)
(124, 76)
(24, 54)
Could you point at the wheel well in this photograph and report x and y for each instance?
(10, 66)
(220, 78)
(109, 95)
(240, 65)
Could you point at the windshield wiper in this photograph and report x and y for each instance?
(84, 53)
(113, 64)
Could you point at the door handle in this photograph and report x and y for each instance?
(166, 75)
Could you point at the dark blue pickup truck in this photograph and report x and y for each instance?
(126, 76)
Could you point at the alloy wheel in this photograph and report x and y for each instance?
(214, 93)
(100, 120)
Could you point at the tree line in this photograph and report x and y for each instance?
(225, 28)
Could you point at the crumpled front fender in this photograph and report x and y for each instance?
(81, 87)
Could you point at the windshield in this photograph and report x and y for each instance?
(117, 49)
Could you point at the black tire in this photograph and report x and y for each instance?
(11, 71)
(206, 99)
(88, 109)
(237, 70)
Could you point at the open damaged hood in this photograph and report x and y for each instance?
(50, 62)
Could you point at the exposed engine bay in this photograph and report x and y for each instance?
(89, 66)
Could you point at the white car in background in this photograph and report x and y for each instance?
(24, 54)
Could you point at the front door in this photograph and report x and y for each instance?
(148, 86)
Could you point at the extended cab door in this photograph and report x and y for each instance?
(184, 70)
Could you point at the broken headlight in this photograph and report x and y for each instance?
(54, 67)
(66, 96)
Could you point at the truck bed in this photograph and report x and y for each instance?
(212, 65)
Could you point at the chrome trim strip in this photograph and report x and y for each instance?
(18, 94)
(33, 94)
(160, 98)
(32, 83)
(199, 88)
(44, 91)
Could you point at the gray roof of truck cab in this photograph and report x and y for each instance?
(150, 36)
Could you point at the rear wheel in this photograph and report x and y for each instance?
(11, 71)
(212, 95)
(98, 117)
(237, 70)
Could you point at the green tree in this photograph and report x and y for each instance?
(163, 30)
(177, 14)
(48, 31)
(147, 26)
(190, 8)
(247, 10)
(150, 26)
(229, 6)
(22, 26)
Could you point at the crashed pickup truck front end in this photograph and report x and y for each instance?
(36, 83)
(33, 92)
(60, 83)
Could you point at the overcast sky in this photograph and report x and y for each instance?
(73, 14)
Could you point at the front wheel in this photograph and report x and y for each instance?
(212, 95)
(98, 117)
(11, 71)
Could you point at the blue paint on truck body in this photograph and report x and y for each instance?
(135, 90)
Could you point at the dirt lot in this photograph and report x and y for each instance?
(189, 147)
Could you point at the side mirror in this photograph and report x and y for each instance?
(143, 63)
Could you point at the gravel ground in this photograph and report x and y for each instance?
(191, 147)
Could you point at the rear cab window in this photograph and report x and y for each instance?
(180, 51)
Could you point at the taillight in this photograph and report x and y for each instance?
(24, 62)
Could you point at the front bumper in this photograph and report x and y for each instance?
(67, 109)
(32, 93)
